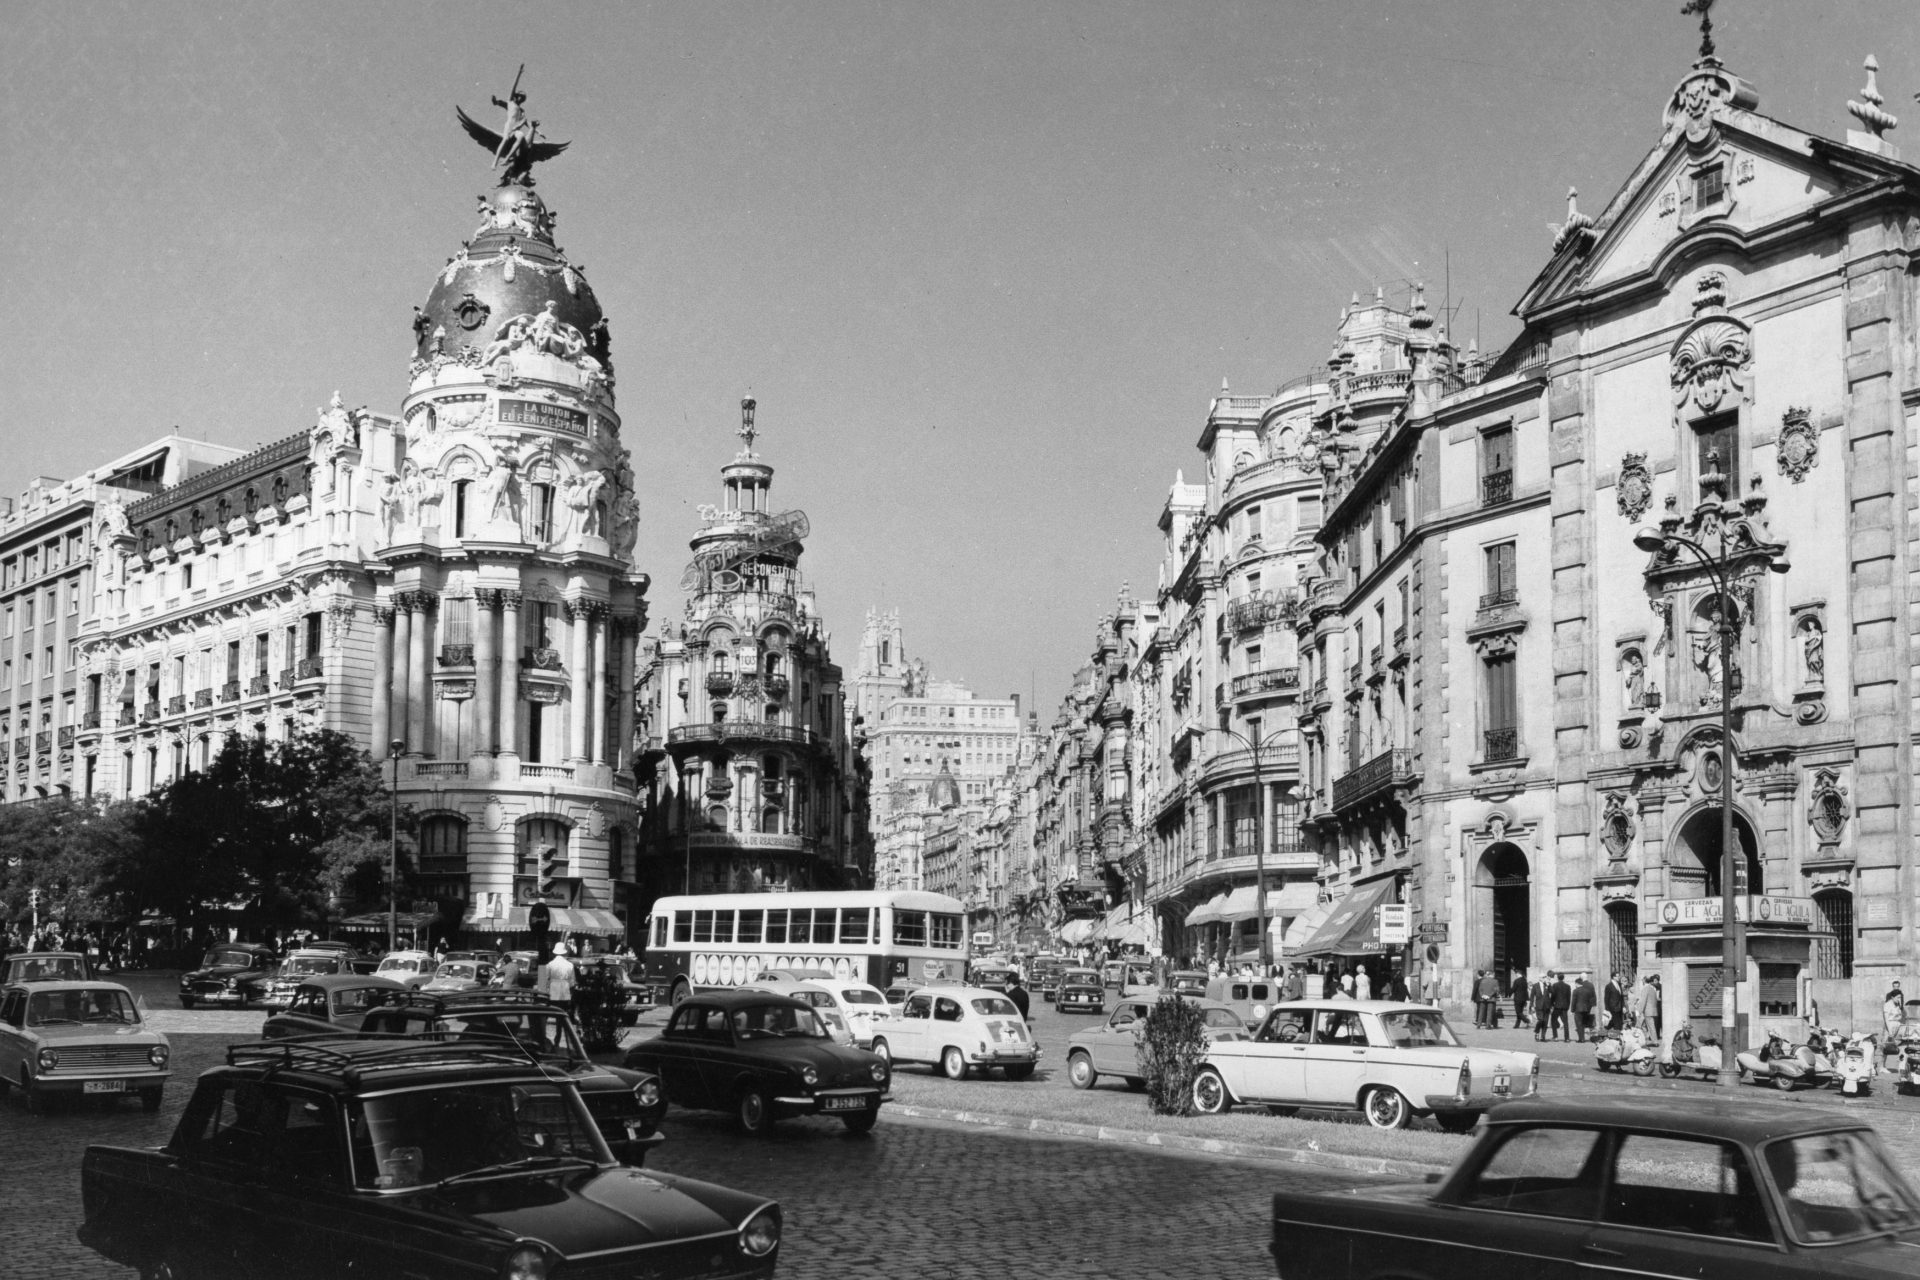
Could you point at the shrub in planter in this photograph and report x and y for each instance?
(1172, 1043)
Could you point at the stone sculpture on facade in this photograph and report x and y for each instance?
(1799, 447)
(517, 147)
(1634, 491)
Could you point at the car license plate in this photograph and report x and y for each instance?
(1503, 1083)
(103, 1086)
(844, 1104)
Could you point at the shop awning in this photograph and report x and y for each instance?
(597, 920)
(1077, 933)
(515, 921)
(1304, 926)
(1208, 911)
(1348, 928)
(1288, 899)
(1127, 928)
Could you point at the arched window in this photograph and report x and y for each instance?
(223, 512)
(279, 491)
(460, 491)
(443, 846)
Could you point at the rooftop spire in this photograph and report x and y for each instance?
(747, 431)
(1705, 9)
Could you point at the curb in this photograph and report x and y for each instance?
(1172, 1141)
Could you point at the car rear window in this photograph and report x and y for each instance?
(861, 995)
(1224, 1018)
(995, 1007)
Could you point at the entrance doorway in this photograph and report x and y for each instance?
(1693, 868)
(1504, 875)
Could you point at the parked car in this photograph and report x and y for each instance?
(357, 960)
(330, 1004)
(1112, 1048)
(960, 1030)
(1081, 991)
(1387, 1060)
(863, 1007)
(79, 1039)
(297, 966)
(627, 1105)
(1251, 998)
(459, 975)
(1695, 1188)
(993, 976)
(46, 966)
(391, 1157)
(1188, 982)
(763, 1057)
(231, 973)
(413, 968)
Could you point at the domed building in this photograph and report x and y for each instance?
(452, 585)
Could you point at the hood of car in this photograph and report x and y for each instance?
(837, 1064)
(603, 1210)
(93, 1032)
(224, 971)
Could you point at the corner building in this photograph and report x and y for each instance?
(451, 584)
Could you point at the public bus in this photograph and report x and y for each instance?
(702, 942)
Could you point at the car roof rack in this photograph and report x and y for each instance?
(352, 1058)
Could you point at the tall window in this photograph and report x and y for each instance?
(536, 728)
(443, 846)
(1503, 711)
(1709, 187)
(541, 513)
(1501, 579)
(537, 834)
(460, 490)
(1496, 466)
(260, 655)
(1717, 440)
(233, 662)
(1833, 934)
(456, 620)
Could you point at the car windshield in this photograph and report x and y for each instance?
(456, 970)
(426, 1136)
(1081, 975)
(46, 969)
(764, 1021)
(1417, 1028)
(861, 995)
(70, 1008)
(1839, 1185)
(995, 1006)
(399, 964)
(1224, 1019)
(546, 1034)
(226, 960)
(300, 965)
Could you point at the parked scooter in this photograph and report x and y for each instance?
(1628, 1050)
(1856, 1062)
(1788, 1066)
(1683, 1055)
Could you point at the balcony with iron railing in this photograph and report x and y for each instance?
(91, 720)
(776, 686)
(1277, 760)
(1276, 680)
(150, 711)
(22, 745)
(1502, 744)
(1355, 677)
(720, 683)
(738, 731)
(1496, 488)
(1504, 598)
(65, 738)
(310, 669)
(1391, 767)
(286, 677)
(43, 741)
(230, 691)
(1376, 661)
(259, 686)
(176, 704)
(202, 699)
(1320, 694)
(1256, 611)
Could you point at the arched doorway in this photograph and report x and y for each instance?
(1505, 877)
(1693, 867)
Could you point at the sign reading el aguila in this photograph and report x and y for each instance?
(534, 413)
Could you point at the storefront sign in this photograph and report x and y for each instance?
(1393, 923)
(534, 413)
(1699, 913)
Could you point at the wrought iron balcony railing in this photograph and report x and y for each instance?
(202, 698)
(1277, 680)
(91, 720)
(1376, 775)
(310, 669)
(230, 691)
(286, 678)
(720, 683)
(1500, 599)
(1502, 744)
(1496, 487)
(66, 735)
(176, 704)
(259, 686)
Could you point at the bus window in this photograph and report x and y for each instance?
(946, 931)
(750, 922)
(703, 926)
(776, 924)
(659, 931)
(823, 925)
(799, 922)
(683, 926)
(853, 923)
(723, 926)
(909, 928)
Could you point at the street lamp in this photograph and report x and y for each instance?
(1259, 840)
(394, 749)
(1733, 936)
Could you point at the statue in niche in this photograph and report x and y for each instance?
(498, 499)
(390, 504)
(626, 523)
(413, 491)
(1813, 649)
(1633, 677)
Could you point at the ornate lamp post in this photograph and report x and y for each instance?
(394, 749)
(1259, 839)
(1733, 937)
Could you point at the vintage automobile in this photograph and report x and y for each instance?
(1112, 1048)
(330, 1004)
(1387, 1060)
(413, 968)
(897, 995)
(627, 1105)
(960, 1030)
(1188, 982)
(46, 966)
(1251, 998)
(77, 1040)
(459, 975)
(318, 1158)
(357, 961)
(1624, 1188)
(763, 1057)
(297, 966)
(231, 973)
(993, 975)
(1043, 975)
(1127, 974)
(1081, 991)
(863, 1007)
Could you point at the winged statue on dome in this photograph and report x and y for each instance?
(517, 147)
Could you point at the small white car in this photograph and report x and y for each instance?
(79, 1039)
(1113, 1047)
(863, 1007)
(414, 968)
(959, 1030)
(1387, 1060)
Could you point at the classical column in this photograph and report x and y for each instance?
(579, 612)
(397, 679)
(508, 735)
(382, 680)
(486, 679)
(419, 670)
(597, 699)
(628, 658)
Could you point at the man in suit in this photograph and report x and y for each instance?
(1559, 1001)
(1614, 1000)
(1538, 996)
(1584, 1000)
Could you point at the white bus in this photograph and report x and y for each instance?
(706, 941)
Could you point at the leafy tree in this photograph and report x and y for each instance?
(47, 845)
(287, 830)
(1172, 1043)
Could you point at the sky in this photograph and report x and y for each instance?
(982, 264)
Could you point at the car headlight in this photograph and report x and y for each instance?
(879, 1072)
(528, 1262)
(760, 1234)
(48, 1059)
(809, 1075)
(157, 1055)
(647, 1092)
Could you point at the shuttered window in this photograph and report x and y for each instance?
(1779, 990)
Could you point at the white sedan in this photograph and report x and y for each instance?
(1387, 1060)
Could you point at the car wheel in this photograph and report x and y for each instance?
(755, 1115)
(861, 1121)
(680, 992)
(1210, 1096)
(1385, 1108)
(953, 1064)
(1080, 1071)
(1021, 1072)
(1458, 1123)
(881, 1048)
(150, 1099)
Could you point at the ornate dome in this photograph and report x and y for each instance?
(510, 268)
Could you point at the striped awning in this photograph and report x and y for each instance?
(1208, 911)
(1077, 933)
(561, 921)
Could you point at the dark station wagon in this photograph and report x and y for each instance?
(1623, 1188)
(303, 1159)
(330, 1004)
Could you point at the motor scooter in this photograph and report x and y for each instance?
(1682, 1054)
(1627, 1050)
(1787, 1066)
(1856, 1063)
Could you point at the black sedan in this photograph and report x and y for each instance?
(763, 1057)
(232, 973)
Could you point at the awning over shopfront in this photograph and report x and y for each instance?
(1304, 926)
(1348, 928)
(561, 921)
(1126, 928)
(1282, 899)
(515, 921)
(1207, 912)
(1077, 933)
